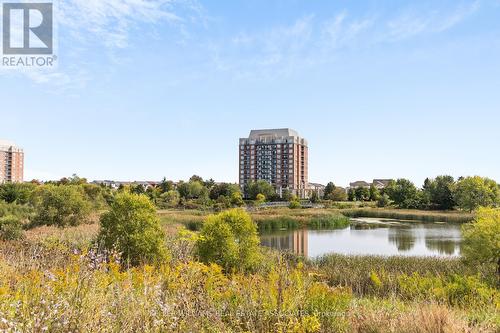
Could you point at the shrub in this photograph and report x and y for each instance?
(481, 239)
(295, 204)
(133, 228)
(260, 198)
(11, 227)
(230, 239)
(61, 206)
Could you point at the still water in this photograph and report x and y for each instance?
(371, 237)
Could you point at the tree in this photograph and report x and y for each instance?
(439, 192)
(196, 178)
(166, 185)
(329, 188)
(223, 189)
(170, 199)
(15, 192)
(192, 190)
(362, 194)
(230, 240)
(133, 228)
(314, 197)
(252, 189)
(339, 194)
(481, 239)
(404, 193)
(351, 194)
(383, 201)
(473, 192)
(62, 206)
(374, 193)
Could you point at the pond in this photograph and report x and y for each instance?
(368, 236)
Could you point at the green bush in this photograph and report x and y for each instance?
(62, 206)
(11, 227)
(455, 290)
(481, 239)
(132, 227)
(230, 239)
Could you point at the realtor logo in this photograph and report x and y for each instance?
(28, 34)
(27, 28)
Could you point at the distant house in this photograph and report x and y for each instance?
(318, 188)
(359, 183)
(378, 183)
(381, 183)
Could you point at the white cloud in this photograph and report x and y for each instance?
(111, 21)
(411, 24)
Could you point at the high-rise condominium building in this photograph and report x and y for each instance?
(11, 162)
(278, 156)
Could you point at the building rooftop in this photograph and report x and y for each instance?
(275, 133)
(5, 144)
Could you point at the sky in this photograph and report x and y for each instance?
(163, 88)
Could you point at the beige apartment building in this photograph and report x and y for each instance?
(11, 162)
(278, 156)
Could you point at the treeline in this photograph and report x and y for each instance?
(73, 201)
(441, 193)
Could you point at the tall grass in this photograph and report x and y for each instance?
(321, 221)
(361, 272)
(417, 215)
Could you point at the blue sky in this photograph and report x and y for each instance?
(146, 89)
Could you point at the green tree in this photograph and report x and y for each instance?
(351, 194)
(329, 188)
(286, 194)
(225, 189)
(252, 189)
(62, 206)
(169, 199)
(374, 193)
(16, 192)
(314, 197)
(230, 239)
(196, 178)
(166, 185)
(133, 228)
(362, 194)
(439, 192)
(338, 194)
(481, 239)
(473, 192)
(383, 201)
(404, 193)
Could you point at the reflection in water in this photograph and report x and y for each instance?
(403, 238)
(372, 237)
(296, 241)
(442, 241)
(448, 247)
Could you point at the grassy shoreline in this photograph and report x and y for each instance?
(285, 218)
(410, 215)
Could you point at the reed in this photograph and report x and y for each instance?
(415, 215)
